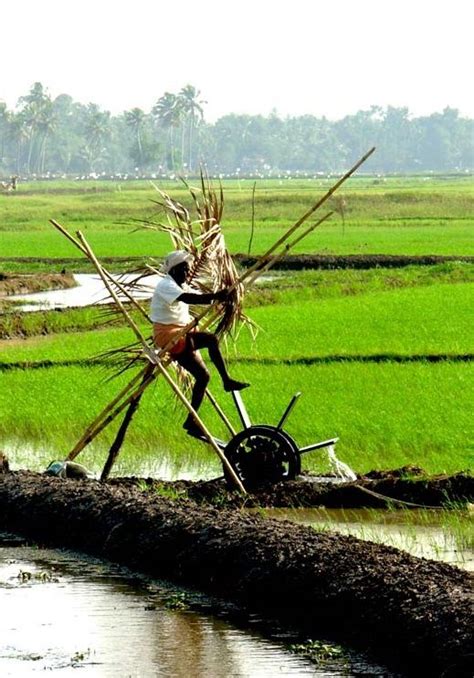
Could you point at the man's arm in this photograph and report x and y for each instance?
(207, 298)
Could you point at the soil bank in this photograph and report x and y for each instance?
(411, 613)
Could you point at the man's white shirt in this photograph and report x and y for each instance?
(165, 308)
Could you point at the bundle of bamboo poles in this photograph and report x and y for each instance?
(209, 248)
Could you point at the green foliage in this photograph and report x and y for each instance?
(45, 135)
(362, 361)
(170, 492)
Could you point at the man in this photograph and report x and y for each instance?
(170, 313)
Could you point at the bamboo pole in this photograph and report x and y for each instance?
(271, 262)
(79, 445)
(205, 430)
(306, 216)
(152, 357)
(119, 438)
(266, 260)
(104, 422)
(254, 271)
(111, 291)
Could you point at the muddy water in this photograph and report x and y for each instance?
(61, 613)
(442, 535)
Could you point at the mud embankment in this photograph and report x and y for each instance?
(408, 487)
(298, 262)
(293, 262)
(409, 612)
(38, 282)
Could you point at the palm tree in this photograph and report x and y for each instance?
(96, 129)
(46, 125)
(135, 119)
(169, 114)
(4, 124)
(19, 135)
(34, 108)
(192, 109)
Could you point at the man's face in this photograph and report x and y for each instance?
(180, 272)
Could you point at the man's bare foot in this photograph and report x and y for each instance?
(233, 385)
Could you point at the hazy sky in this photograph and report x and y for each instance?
(328, 57)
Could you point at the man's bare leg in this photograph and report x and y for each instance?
(198, 340)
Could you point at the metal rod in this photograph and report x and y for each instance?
(205, 430)
(288, 410)
(220, 412)
(317, 446)
(239, 403)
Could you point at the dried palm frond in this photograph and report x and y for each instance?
(212, 268)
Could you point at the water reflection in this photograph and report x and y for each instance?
(61, 613)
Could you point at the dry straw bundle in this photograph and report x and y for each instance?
(200, 234)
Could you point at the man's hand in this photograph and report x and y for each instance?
(206, 298)
(222, 295)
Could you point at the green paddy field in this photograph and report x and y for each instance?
(382, 356)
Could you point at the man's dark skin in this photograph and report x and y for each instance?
(191, 360)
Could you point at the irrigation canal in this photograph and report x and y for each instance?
(62, 612)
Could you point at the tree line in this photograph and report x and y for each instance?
(59, 136)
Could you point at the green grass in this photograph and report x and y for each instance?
(387, 414)
(282, 288)
(449, 239)
(395, 217)
(425, 320)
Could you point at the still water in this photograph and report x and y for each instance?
(89, 290)
(70, 616)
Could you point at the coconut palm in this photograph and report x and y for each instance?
(169, 113)
(34, 109)
(135, 119)
(192, 109)
(4, 125)
(96, 130)
(46, 125)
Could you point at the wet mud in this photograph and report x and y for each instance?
(414, 614)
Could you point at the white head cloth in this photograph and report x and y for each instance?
(174, 259)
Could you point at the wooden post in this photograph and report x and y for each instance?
(120, 437)
(85, 440)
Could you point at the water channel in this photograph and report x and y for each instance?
(61, 612)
